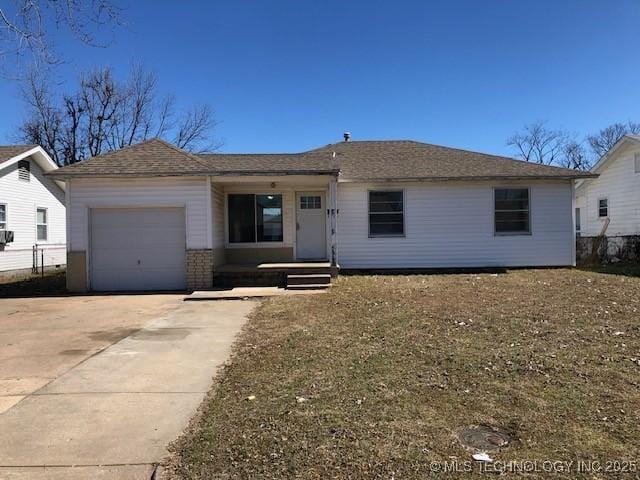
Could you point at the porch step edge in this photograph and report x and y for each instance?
(309, 286)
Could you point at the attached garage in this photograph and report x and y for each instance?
(137, 249)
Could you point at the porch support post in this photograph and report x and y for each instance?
(209, 210)
(333, 220)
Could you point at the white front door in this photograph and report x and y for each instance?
(311, 232)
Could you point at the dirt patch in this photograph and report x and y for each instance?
(375, 378)
(484, 438)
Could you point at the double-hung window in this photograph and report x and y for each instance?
(3, 216)
(511, 211)
(41, 224)
(386, 213)
(603, 207)
(254, 218)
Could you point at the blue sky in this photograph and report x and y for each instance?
(293, 75)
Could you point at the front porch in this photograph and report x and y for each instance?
(293, 275)
(273, 230)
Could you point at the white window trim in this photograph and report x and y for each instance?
(256, 244)
(404, 212)
(606, 199)
(577, 210)
(529, 231)
(6, 216)
(46, 224)
(636, 162)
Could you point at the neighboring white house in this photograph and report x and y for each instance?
(612, 200)
(32, 210)
(151, 216)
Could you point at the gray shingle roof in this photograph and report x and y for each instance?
(406, 159)
(7, 152)
(153, 157)
(357, 160)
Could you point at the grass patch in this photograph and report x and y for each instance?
(32, 285)
(392, 367)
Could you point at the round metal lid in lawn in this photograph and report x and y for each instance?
(483, 437)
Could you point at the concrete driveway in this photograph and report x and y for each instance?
(97, 386)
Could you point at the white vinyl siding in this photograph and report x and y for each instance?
(189, 193)
(451, 224)
(217, 212)
(22, 198)
(621, 187)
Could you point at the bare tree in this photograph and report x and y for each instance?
(539, 144)
(575, 156)
(606, 138)
(26, 26)
(105, 114)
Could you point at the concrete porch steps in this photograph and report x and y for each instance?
(308, 281)
(286, 275)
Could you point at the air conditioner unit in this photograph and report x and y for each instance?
(6, 236)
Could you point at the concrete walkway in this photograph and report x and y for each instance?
(112, 415)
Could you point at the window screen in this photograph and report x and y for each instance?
(577, 219)
(386, 213)
(512, 210)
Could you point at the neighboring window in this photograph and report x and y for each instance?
(24, 170)
(269, 218)
(254, 218)
(386, 213)
(512, 210)
(3, 216)
(41, 223)
(603, 207)
(577, 220)
(310, 202)
(636, 161)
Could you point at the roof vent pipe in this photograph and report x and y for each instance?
(347, 136)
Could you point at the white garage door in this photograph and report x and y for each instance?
(138, 249)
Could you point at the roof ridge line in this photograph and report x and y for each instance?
(179, 150)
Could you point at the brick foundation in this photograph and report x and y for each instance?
(199, 269)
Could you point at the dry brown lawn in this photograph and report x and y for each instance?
(375, 379)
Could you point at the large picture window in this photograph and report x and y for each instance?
(386, 213)
(512, 211)
(254, 218)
